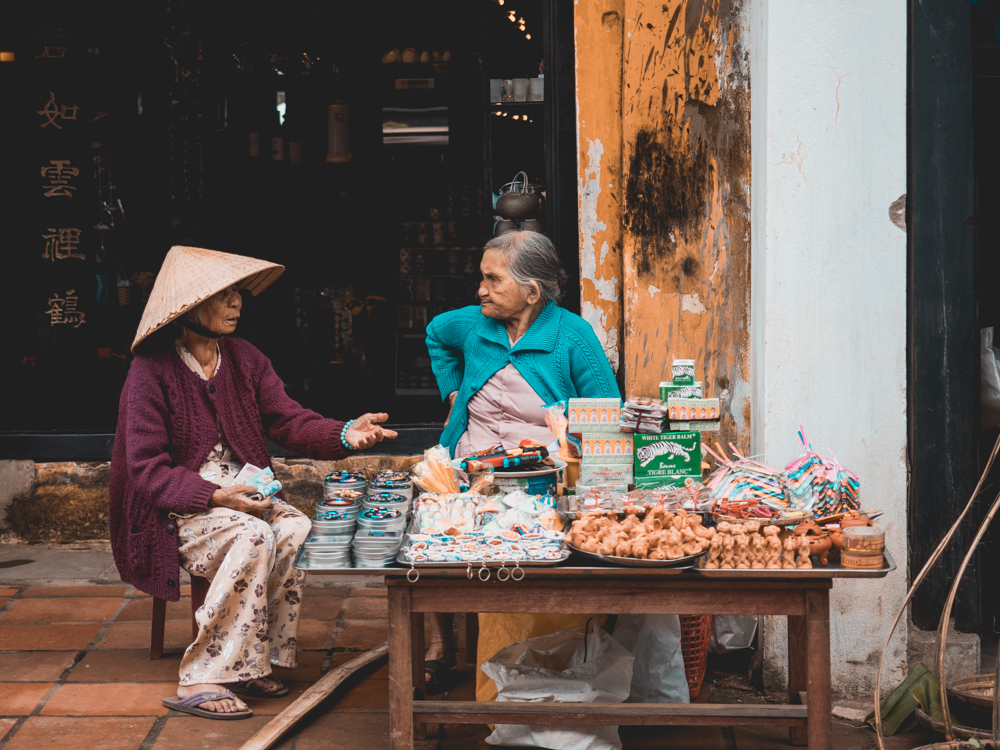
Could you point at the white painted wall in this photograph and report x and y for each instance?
(828, 307)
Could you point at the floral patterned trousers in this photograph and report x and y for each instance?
(251, 613)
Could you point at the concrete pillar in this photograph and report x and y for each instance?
(828, 302)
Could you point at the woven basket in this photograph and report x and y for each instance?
(977, 690)
(958, 745)
(958, 730)
(696, 632)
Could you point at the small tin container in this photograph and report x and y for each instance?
(861, 562)
(343, 497)
(864, 540)
(386, 500)
(397, 482)
(344, 480)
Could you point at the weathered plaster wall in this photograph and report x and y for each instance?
(599, 40)
(829, 270)
(686, 242)
(68, 501)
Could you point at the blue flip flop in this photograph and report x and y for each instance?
(190, 705)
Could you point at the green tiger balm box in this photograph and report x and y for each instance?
(667, 457)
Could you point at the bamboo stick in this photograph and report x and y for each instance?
(274, 729)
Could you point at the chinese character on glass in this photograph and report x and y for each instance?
(58, 176)
(62, 310)
(51, 112)
(62, 244)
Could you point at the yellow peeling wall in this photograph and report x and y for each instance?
(663, 101)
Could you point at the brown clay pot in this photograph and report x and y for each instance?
(808, 528)
(854, 519)
(837, 538)
(819, 546)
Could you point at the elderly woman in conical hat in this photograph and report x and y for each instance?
(192, 424)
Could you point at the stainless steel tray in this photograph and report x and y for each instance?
(476, 564)
(689, 561)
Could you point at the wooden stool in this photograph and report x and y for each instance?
(199, 588)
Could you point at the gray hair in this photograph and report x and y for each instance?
(532, 259)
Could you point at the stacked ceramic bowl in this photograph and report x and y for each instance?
(379, 535)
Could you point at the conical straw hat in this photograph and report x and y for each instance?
(190, 275)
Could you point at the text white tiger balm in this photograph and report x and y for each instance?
(667, 459)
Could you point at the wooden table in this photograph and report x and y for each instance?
(575, 588)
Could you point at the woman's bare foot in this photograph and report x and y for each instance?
(263, 684)
(225, 706)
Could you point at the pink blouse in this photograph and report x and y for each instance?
(506, 411)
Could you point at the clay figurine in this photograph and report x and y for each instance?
(791, 548)
(772, 543)
(757, 553)
(727, 553)
(742, 551)
(714, 552)
(803, 560)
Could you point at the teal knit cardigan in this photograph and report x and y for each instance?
(559, 357)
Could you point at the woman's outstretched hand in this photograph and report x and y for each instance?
(237, 497)
(366, 431)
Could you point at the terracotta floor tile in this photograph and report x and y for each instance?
(106, 733)
(46, 637)
(7, 591)
(273, 706)
(365, 695)
(5, 726)
(320, 607)
(335, 732)
(33, 666)
(380, 672)
(362, 634)
(110, 699)
(3, 601)
(176, 636)
(55, 591)
(20, 698)
(64, 609)
(185, 591)
(310, 664)
(315, 634)
(139, 610)
(367, 608)
(126, 666)
(370, 592)
(192, 733)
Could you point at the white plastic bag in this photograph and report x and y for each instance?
(568, 667)
(732, 632)
(655, 643)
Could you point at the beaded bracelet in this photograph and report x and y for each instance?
(343, 436)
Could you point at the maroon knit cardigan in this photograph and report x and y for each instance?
(166, 428)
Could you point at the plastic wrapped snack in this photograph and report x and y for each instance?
(434, 473)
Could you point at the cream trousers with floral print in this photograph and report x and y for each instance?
(251, 613)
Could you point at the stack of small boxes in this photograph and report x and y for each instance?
(687, 408)
(607, 461)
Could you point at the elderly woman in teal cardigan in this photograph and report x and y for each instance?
(497, 364)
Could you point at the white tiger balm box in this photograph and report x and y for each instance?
(670, 456)
(691, 409)
(595, 415)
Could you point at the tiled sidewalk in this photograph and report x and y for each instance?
(75, 674)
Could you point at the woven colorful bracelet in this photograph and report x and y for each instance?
(343, 436)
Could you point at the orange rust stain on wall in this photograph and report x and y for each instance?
(599, 40)
(686, 162)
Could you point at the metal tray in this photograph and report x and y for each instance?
(491, 564)
(689, 561)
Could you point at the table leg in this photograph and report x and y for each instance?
(400, 670)
(818, 646)
(419, 688)
(797, 670)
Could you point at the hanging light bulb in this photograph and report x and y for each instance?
(527, 36)
(517, 117)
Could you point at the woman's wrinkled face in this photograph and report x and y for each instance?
(221, 312)
(500, 296)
